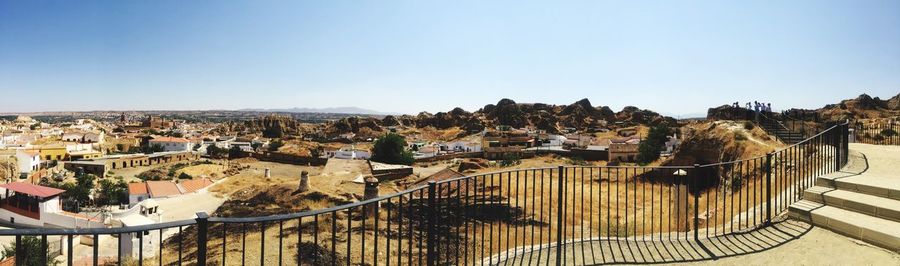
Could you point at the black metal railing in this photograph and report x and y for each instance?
(553, 215)
(879, 133)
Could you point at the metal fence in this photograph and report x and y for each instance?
(515, 216)
(883, 133)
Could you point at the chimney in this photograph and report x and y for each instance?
(304, 181)
(371, 192)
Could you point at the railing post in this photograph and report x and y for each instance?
(20, 252)
(769, 199)
(846, 143)
(696, 188)
(559, 214)
(202, 228)
(837, 140)
(432, 219)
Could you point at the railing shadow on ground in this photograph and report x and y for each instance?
(630, 251)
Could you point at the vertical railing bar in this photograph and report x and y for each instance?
(69, 252)
(334, 238)
(140, 247)
(262, 243)
(300, 239)
(559, 216)
(432, 220)
(180, 243)
(349, 234)
(280, 241)
(202, 227)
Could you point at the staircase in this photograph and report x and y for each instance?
(855, 203)
(775, 128)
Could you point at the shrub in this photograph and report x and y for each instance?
(31, 247)
(578, 161)
(740, 136)
(749, 125)
(185, 176)
(510, 160)
(651, 146)
(275, 145)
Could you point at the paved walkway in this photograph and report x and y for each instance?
(876, 169)
(785, 242)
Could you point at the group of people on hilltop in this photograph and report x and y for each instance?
(756, 106)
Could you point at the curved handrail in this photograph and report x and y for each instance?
(809, 138)
(96, 231)
(288, 216)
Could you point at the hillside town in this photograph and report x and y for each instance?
(141, 169)
(449, 133)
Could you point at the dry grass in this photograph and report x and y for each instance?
(513, 209)
(431, 134)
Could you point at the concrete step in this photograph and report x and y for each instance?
(880, 232)
(890, 191)
(854, 201)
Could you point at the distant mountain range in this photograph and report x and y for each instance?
(331, 110)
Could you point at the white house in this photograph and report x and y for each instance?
(555, 140)
(29, 160)
(83, 137)
(37, 206)
(137, 192)
(172, 144)
(463, 146)
(243, 146)
(93, 137)
(671, 144)
(349, 153)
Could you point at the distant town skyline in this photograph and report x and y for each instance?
(676, 58)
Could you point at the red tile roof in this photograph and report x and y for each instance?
(137, 188)
(170, 139)
(162, 189)
(33, 190)
(195, 184)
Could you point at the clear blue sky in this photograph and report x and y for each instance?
(676, 57)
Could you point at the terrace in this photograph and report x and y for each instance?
(554, 215)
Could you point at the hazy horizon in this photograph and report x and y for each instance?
(405, 57)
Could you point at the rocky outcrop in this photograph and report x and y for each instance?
(893, 103)
(580, 115)
(506, 112)
(271, 126)
(862, 107)
(727, 112)
(354, 125)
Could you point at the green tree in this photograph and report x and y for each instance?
(235, 152)
(275, 145)
(215, 151)
(391, 148)
(154, 148)
(31, 252)
(653, 144)
(273, 131)
(112, 192)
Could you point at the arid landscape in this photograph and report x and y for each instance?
(437, 133)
